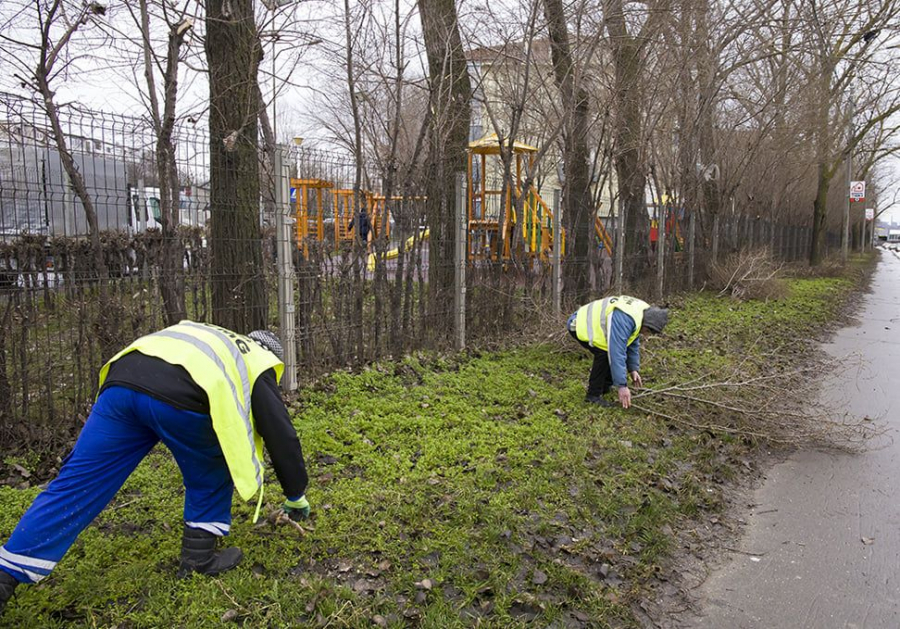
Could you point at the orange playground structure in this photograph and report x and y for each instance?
(487, 239)
(324, 212)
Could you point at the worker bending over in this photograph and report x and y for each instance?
(610, 329)
(211, 396)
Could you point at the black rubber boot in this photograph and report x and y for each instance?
(198, 554)
(599, 401)
(8, 585)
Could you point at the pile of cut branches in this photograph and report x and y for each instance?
(763, 398)
(748, 274)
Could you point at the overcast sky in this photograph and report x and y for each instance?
(307, 79)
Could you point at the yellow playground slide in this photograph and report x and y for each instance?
(393, 253)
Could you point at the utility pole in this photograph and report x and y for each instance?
(845, 231)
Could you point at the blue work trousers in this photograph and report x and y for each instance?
(122, 428)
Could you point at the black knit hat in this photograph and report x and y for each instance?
(269, 341)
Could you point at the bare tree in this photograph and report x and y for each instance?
(577, 197)
(40, 64)
(162, 115)
(450, 94)
(844, 45)
(628, 55)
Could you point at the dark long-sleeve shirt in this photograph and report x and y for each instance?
(173, 385)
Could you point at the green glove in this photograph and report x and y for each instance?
(296, 509)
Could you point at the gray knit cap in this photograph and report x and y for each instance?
(269, 341)
(655, 319)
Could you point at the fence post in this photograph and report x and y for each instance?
(620, 248)
(737, 223)
(459, 267)
(286, 307)
(776, 238)
(556, 257)
(781, 240)
(692, 222)
(661, 220)
(715, 239)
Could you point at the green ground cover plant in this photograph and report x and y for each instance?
(447, 491)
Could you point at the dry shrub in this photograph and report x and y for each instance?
(830, 267)
(749, 274)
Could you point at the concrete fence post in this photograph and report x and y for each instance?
(715, 239)
(692, 229)
(620, 248)
(459, 267)
(556, 256)
(661, 220)
(286, 307)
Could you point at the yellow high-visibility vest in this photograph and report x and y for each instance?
(594, 319)
(225, 365)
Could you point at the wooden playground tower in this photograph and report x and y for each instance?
(485, 205)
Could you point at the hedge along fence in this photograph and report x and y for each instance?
(55, 332)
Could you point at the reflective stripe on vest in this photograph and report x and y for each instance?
(225, 365)
(243, 408)
(595, 330)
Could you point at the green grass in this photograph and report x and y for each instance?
(484, 474)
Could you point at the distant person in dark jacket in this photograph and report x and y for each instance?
(212, 397)
(610, 329)
(361, 221)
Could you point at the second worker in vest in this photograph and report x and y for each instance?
(212, 397)
(610, 329)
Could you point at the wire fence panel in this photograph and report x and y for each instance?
(93, 254)
(113, 231)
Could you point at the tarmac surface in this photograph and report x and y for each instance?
(822, 544)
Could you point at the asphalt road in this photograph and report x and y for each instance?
(822, 545)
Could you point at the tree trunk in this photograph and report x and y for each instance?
(824, 150)
(78, 184)
(578, 214)
(820, 210)
(450, 96)
(236, 257)
(626, 52)
(359, 245)
(268, 163)
(706, 79)
(171, 280)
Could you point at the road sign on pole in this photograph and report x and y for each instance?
(870, 214)
(857, 191)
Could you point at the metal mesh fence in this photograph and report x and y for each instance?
(351, 261)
